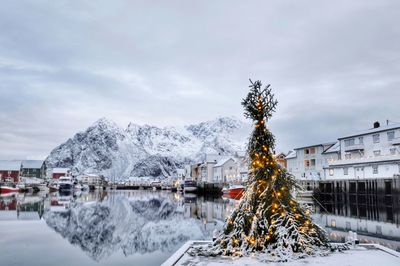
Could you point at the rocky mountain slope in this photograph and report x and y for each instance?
(143, 150)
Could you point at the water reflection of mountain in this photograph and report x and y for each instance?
(140, 223)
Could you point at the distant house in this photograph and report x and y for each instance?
(180, 173)
(308, 163)
(10, 171)
(225, 171)
(91, 179)
(33, 168)
(59, 172)
(194, 172)
(281, 159)
(206, 171)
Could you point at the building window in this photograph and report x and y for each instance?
(360, 140)
(346, 171)
(377, 152)
(376, 138)
(306, 151)
(306, 163)
(375, 169)
(331, 172)
(390, 135)
(392, 151)
(348, 142)
(347, 156)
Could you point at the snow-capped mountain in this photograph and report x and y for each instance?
(143, 150)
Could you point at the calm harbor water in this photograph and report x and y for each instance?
(125, 227)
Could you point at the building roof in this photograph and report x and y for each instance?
(7, 165)
(32, 164)
(222, 162)
(315, 145)
(372, 130)
(60, 170)
(333, 149)
(291, 154)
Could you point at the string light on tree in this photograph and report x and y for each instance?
(268, 219)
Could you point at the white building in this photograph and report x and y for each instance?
(308, 163)
(219, 169)
(225, 171)
(91, 179)
(206, 171)
(372, 153)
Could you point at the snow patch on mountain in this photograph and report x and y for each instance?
(144, 150)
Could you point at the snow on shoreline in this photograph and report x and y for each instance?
(359, 256)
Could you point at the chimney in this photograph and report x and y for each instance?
(376, 124)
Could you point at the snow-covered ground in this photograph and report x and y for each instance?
(359, 256)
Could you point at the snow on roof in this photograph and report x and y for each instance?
(334, 148)
(315, 145)
(372, 130)
(60, 170)
(36, 164)
(222, 162)
(291, 155)
(7, 165)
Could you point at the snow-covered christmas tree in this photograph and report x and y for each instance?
(268, 219)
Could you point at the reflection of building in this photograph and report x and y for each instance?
(9, 171)
(362, 226)
(33, 168)
(374, 204)
(21, 207)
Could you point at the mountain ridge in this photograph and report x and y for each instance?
(146, 150)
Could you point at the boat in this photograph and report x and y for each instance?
(8, 188)
(156, 185)
(190, 186)
(53, 186)
(233, 191)
(65, 183)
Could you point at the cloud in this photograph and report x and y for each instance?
(333, 66)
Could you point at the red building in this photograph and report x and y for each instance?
(9, 171)
(59, 172)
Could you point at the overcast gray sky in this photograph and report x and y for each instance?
(334, 66)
